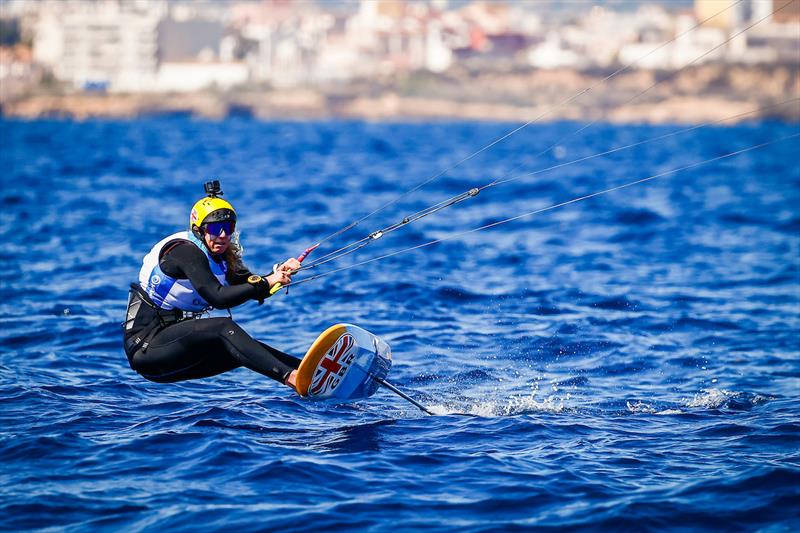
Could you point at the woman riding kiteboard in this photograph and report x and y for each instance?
(185, 275)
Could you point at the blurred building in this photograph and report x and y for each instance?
(282, 41)
(105, 44)
(188, 45)
(300, 43)
(722, 14)
(18, 72)
(774, 35)
(196, 53)
(786, 11)
(398, 36)
(779, 40)
(731, 32)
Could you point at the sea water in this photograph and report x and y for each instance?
(631, 360)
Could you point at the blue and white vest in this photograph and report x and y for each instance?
(170, 293)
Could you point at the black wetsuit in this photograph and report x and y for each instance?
(173, 348)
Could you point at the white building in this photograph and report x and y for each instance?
(553, 53)
(289, 42)
(399, 37)
(189, 76)
(106, 43)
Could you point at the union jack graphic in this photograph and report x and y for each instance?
(333, 366)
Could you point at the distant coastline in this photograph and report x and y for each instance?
(696, 95)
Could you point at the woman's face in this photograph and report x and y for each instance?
(217, 244)
(217, 240)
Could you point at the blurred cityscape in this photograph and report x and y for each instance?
(393, 58)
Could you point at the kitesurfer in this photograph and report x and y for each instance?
(186, 274)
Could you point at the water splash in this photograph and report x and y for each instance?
(725, 399)
(710, 399)
(498, 407)
(640, 407)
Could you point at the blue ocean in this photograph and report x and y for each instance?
(630, 361)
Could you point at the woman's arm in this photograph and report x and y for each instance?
(238, 277)
(186, 261)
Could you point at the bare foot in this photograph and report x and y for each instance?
(292, 379)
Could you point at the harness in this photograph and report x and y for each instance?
(160, 318)
(147, 299)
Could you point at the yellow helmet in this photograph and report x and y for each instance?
(210, 209)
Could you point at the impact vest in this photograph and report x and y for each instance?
(167, 292)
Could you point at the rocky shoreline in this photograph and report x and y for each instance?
(698, 95)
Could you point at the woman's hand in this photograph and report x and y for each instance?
(290, 265)
(284, 277)
(283, 272)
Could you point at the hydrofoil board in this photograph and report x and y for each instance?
(345, 363)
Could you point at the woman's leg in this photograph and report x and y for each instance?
(195, 349)
(287, 359)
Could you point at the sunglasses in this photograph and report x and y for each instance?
(216, 228)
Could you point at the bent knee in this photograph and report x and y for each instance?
(227, 327)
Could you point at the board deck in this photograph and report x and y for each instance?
(343, 364)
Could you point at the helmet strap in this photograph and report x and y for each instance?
(198, 232)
